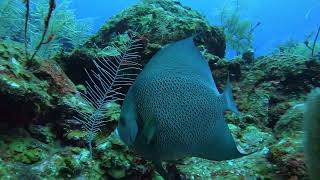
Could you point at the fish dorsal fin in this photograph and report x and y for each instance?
(181, 58)
(221, 146)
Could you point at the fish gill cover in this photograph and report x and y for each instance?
(40, 138)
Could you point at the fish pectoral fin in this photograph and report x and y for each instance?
(149, 131)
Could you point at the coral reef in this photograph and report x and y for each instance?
(157, 23)
(33, 93)
(64, 31)
(270, 94)
(239, 32)
(39, 139)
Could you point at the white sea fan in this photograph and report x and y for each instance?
(104, 83)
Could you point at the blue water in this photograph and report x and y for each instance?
(281, 20)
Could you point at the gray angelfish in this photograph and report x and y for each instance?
(174, 109)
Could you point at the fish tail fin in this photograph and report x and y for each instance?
(228, 97)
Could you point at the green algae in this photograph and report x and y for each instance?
(290, 122)
(287, 155)
(4, 173)
(31, 156)
(76, 135)
(42, 133)
(157, 23)
(22, 151)
(113, 112)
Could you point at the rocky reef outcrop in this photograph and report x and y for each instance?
(29, 94)
(271, 93)
(157, 23)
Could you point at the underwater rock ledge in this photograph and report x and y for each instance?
(157, 23)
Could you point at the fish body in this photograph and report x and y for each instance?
(174, 109)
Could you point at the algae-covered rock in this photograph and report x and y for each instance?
(23, 151)
(34, 92)
(269, 94)
(17, 146)
(252, 167)
(253, 138)
(51, 72)
(42, 133)
(22, 92)
(294, 74)
(157, 23)
(23, 157)
(73, 131)
(32, 99)
(290, 123)
(267, 89)
(118, 162)
(76, 137)
(4, 170)
(287, 155)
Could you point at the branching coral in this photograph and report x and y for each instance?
(27, 14)
(11, 17)
(292, 48)
(52, 6)
(65, 29)
(239, 33)
(315, 41)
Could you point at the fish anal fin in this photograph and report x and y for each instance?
(221, 146)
